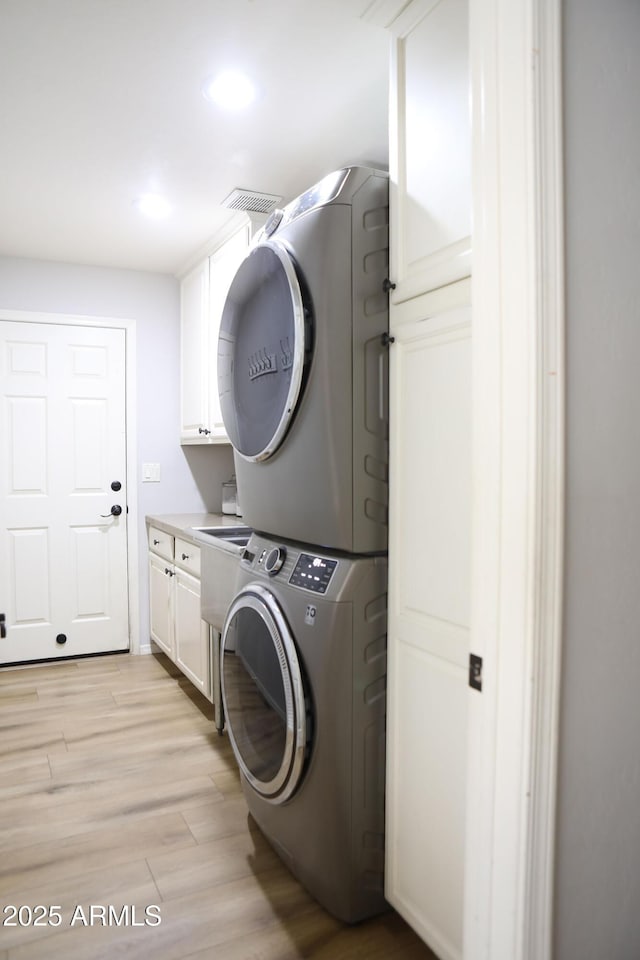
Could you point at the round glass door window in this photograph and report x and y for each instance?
(261, 351)
(263, 694)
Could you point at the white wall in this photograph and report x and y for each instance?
(191, 477)
(598, 840)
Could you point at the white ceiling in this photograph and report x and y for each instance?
(100, 101)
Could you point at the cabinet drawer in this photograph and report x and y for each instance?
(187, 555)
(161, 542)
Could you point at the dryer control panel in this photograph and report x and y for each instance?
(313, 573)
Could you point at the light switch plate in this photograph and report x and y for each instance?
(150, 472)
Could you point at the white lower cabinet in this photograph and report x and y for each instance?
(192, 646)
(174, 607)
(160, 603)
(429, 618)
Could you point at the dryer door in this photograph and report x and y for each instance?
(262, 346)
(263, 694)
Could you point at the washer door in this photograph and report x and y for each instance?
(261, 351)
(263, 694)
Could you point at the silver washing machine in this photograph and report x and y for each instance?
(304, 686)
(303, 367)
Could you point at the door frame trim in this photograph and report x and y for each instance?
(518, 458)
(129, 327)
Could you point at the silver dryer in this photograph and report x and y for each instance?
(302, 367)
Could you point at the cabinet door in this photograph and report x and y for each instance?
(222, 267)
(430, 148)
(428, 638)
(161, 575)
(192, 643)
(194, 344)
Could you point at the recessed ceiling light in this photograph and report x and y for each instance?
(231, 90)
(154, 206)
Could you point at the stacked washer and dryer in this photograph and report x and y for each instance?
(302, 371)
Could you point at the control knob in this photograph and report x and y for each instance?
(275, 559)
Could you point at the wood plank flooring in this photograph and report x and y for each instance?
(116, 791)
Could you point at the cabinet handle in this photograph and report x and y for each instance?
(185, 556)
(388, 285)
(204, 430)
(156, 542)
(169, 572)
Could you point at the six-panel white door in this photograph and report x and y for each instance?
(63, 554)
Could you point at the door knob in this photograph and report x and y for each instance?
(115, 511)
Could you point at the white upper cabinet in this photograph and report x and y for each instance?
(430, 148)
(222, 267)
(203, 293)
(194, 302)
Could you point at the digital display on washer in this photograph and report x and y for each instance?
(313, 573)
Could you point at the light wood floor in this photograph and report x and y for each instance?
(115, 790)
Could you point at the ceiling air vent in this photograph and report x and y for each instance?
(251, 201)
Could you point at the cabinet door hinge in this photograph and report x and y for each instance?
(475, 671)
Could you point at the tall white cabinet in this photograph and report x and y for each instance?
(430, 507)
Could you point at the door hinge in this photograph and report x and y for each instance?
(475, 671)
(3, 626)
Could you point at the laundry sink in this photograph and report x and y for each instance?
(222, 548)
(237, 536)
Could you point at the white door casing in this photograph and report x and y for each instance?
(63, 566)
(518, 469)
